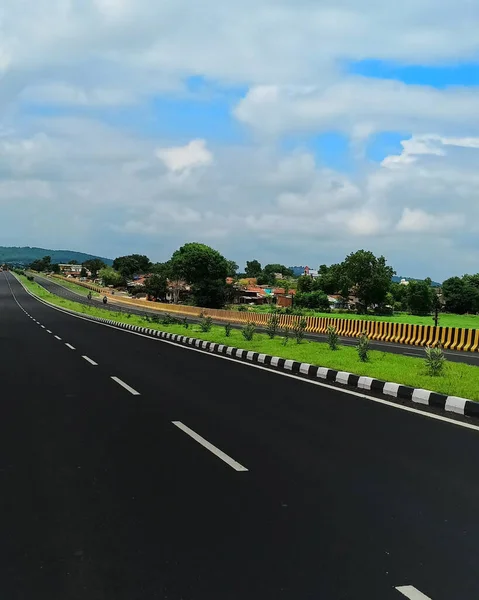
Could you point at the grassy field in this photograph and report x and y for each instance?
(445, 320)
(458, 379)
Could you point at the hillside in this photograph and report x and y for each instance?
(22, 256)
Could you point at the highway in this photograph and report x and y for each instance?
(134, 469)
(471, 358)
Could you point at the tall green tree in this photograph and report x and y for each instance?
(232, 268)
(42, 264)
(329, 279)
(419, 297)
(111, 277)
(366, 276)
(132, 264)
(94, 265)
(253, 268)
(305, 284)
(460, 295)
(205, 269)
(156, 285)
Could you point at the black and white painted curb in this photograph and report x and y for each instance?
(453, 404)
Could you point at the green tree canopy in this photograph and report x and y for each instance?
(366, 276)
(460, 295)
(94, 265)
(111, 277)
(305, 283)
(205, 269)
(329, 279)
(42, 264)
(132, 264)
(419, 296)
(253, 268)
(232, 268)
(157, 285)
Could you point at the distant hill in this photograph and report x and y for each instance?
(22, 256)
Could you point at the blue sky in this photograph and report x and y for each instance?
(296, 131)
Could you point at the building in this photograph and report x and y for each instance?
(70, 270)
(310, 272)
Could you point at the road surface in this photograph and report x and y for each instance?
(471, 358)
(133, 469)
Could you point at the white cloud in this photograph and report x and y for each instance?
(181, 158)
(419, 221)
(359, 107)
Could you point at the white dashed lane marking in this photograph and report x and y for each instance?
(92, 362)
(126, 386)
(48, 331)
(69, 346)
(58, 338)
(213, 449)
(412, 593)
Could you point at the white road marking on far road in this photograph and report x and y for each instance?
(92, 362)
(58, 338)
(412, 593)
(42, 326)
(126, 386)
(216, 451)
(48, 331)
(69, 346)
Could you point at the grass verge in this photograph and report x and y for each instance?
(458, 379)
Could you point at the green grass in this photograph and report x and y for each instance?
(73, 287)
(458, 379)
(445, 320)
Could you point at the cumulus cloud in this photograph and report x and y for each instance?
(419, 221)
(181, 158)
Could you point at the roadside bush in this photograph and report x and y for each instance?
(206, 322)
(299, 329)
(435, 360)
(363, 348)
(155, 318)
(286, 334)
(242, 308)
(185, 323)
(248, 331)
(272, 326)
(228, 328)
(30, 277)
(333, 338)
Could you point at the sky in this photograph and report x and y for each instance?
(288, 131)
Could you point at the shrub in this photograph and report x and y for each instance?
(299, 329)
(228, 328)
(155, 318)
(242, 308)
(363, 348)
(333, 338)
(30, 277)
(286, 333)
(272, 326)
(435, 360)
(205, 323)
(185, 323)
(248, 331)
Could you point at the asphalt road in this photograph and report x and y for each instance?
(320, 494)
(471, 358)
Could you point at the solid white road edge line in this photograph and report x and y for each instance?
(216, 451)
(253, 366)
(412, 593)
(69, 346)
(126, 386)
(92, 362)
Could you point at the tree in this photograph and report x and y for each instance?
(156, 285)
(366, 276)
(419, 297)
(305, 283)
(111, 277)
(205, 269)
(55, 268)
(277, 268)
(73, 262)
(83, 272)
(94, 265)
(42, 264)
(232, 268)
(132, 264)
(460, 296)
(317, 300)
(329, 279)
(253, 268)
